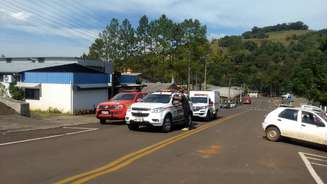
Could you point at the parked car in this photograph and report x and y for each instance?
(297, 123)
(246, 100)
(205, 104)
(159, 109)
(116, 107)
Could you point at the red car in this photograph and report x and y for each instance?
(116, 108)
(247, 100)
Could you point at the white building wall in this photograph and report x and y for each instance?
(87, 99)
(53, 96)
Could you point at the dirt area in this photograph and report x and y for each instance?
(16, 123)
(5, 110)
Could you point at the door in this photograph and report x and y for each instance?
(312, 128)
(288, 123)
(177, 109)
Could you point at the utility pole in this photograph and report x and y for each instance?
(189, 69)
(205, 73)
(229, 87)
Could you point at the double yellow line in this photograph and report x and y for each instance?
(130, 158)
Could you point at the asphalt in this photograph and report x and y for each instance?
(234, 151)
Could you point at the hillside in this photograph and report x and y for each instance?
(279, 36)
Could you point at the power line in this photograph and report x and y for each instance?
(77, 10)
(50, 21)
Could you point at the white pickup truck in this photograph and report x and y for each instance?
(159, 109)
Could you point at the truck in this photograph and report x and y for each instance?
(205, 104)
(158, 109)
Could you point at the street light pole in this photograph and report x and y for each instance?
(205, 74)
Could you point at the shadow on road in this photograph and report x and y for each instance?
(296, 142)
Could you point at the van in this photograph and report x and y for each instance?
(205, 104)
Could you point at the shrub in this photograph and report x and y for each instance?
(54, 110)
(3, 91)
(16, 92)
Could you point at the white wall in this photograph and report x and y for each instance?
(54, 96)
(87, 99)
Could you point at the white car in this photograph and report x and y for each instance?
(159, 109)
(298, 123)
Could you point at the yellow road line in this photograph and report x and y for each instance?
(130, 158)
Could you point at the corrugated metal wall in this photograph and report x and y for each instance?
(90, 78)
(48, 77)
(128, 79)
(65, 78)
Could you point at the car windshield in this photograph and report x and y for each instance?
(195, 100)
(124, 96)
(157, 98)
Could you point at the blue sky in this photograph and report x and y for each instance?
(68, 27)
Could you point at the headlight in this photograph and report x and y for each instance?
(203, 107)
(157, 110)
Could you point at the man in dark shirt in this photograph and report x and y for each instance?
(187, 112)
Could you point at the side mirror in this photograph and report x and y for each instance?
(175, 102)
(139, 100)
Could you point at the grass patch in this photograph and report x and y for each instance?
(51, 112)
(280, 36)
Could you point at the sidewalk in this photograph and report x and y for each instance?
(16, 123)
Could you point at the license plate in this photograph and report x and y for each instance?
(138, 119)
(104, 112)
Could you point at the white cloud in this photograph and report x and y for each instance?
(226, 13)
(75, 20)
(45, 18)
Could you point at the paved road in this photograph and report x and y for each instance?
(228, 150)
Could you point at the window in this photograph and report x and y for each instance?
(157, 98)
(32, 94)
(310, 118)
(198, 100)
(290, 114)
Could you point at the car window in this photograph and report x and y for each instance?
(290, 114)
(310, 118)
(198, 100)
(157, 98)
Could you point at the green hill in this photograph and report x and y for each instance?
(279, 36)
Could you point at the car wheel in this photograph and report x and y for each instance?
(208, 116)
(133, 127)
(214, 115)
(167, 124)
(102, 121)
(273, 134)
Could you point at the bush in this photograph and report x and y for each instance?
(54, 110)
(16, 92)
(3, 90)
